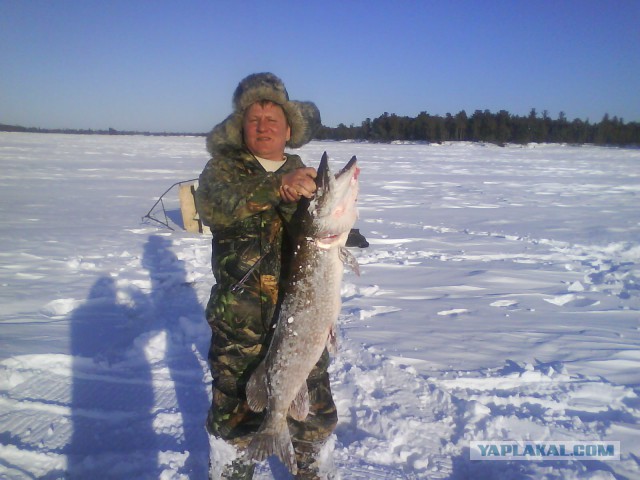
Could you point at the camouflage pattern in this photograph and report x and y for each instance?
(240, 202)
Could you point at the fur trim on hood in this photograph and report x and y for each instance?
(303, 117)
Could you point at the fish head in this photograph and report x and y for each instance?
(333, 208)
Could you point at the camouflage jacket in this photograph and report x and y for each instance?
(240, 202)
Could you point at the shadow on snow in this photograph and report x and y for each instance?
(136, 375)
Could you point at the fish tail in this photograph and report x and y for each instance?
(274, 441)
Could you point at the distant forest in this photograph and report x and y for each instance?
(483, 126)
(109, 131)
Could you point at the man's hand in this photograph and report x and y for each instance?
(298, 183)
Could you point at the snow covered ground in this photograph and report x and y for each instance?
(499, 300)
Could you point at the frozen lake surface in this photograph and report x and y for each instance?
(499, 300)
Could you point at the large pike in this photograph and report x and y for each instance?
(310, 309)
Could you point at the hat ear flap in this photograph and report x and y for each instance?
(226, 133)
(304, 120)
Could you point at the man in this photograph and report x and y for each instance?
(247, 195)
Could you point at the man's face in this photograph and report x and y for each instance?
(266, 130)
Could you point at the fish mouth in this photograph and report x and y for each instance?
(332, 209)
(323, 174)
(350, 164)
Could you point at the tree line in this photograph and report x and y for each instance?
(485, 126)
(76, 131)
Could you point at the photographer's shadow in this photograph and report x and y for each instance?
(111, 396)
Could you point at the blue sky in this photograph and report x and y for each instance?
(173, 65)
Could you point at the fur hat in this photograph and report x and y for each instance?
(303, 117)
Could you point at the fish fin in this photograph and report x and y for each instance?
(332, 340)
(257, 394)
(299, 408)
(273, 441)
(348, 259)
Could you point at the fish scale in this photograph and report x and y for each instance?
(309, 311)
